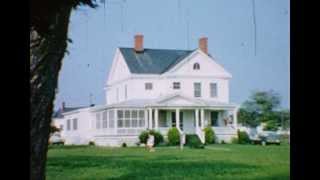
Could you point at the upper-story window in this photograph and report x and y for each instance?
(125, 92)
(197, 89)
(148, 86)
(196, 66)
(176, 85)
(213, 90)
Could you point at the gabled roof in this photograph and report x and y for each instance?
(152, 61)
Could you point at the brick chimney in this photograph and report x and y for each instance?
(203, 44)
(138, 43)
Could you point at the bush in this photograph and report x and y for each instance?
(158, 138)
(143, 137)
(222, 142)
(91, 143)
(234, 140)
(243, 137)
(173, 136)
(209, 135)
(124, 145)
(193, 141)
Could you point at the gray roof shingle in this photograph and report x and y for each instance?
(153, 61)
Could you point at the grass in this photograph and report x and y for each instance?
(227, 161)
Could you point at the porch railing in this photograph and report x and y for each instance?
(200, 134)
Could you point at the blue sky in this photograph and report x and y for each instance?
(228, 24)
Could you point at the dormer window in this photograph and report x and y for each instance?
(196, 66)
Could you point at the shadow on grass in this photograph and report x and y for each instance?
(140, 167)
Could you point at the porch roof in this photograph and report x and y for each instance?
(172, 101)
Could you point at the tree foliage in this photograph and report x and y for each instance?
(262, 107)
(49, 22)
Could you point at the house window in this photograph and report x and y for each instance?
(197, 89)
(181, 120)
(75, 124)
(141, 118)
(148, 86)
(120, 119)
(125, 92)
(68, 124)
(196, 66)
(173, 119)
(176, 85)
(127, 118)
(134, 116)
(213, 90)
(104, 120)
(131, 118)
(98, 122)
(111, 119)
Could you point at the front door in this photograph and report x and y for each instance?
(173, 119)
(214, 118)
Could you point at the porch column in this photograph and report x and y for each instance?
(197, 117)
(202, 118)
(178, 118)
(235, 118)
(156, 118)
(150, 118)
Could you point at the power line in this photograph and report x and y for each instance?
(255, 26)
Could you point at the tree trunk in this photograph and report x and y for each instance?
(46, 54)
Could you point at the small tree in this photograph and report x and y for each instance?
(260, 107)
(243, 137)
(209, 135)
(158, 138)
(143, 137)
(173, 136)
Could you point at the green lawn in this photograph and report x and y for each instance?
(228, 161)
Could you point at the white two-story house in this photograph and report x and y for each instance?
(156, 89)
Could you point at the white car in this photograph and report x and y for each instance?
(56, 139)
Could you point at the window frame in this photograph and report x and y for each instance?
(197, 90)
(68, 125)
(196, 66)
(146, 87)
(75, 124)
(213, 91)
(178, 85)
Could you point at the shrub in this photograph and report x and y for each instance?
(91, 143)
(158, 138)
(193, 141)
(234, 140)
(173, 136)
(222, 142)
(209, 135)
(124, 144)
(143, 137)
(243, 137)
